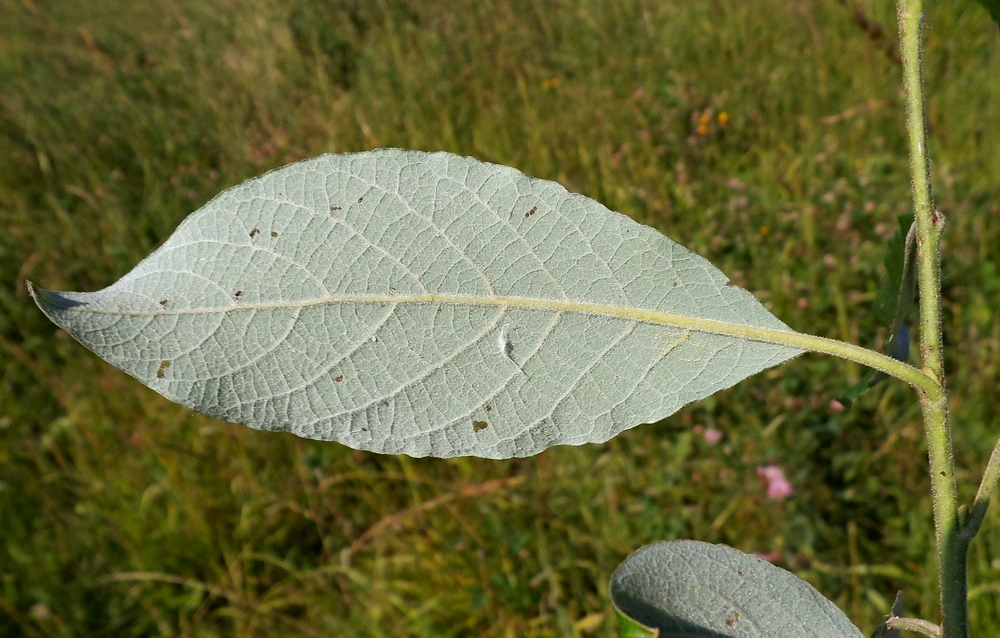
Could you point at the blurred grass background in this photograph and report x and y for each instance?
(767, 136)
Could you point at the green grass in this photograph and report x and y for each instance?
(124, 515)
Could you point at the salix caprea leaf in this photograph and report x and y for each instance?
(425, 304)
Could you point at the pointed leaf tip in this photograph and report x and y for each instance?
(50, 301)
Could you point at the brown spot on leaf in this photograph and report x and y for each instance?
(479, 426)
(534, 209)
(274, 233)
(338, 378)
(239, 293)
(361, 199)
(161, 372)
(164, 302)
(334, 209)
(489, 408)
(254, 233)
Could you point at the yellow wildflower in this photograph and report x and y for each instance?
(703, 124)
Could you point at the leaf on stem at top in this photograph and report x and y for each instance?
(424, 304)
(893, 302)
(993, 6)
(896, 295)
(883, 631)
(690, 589)
(898, 348)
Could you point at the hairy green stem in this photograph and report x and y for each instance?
(951, 549)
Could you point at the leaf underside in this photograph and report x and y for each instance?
(690, 589)
(426, 304)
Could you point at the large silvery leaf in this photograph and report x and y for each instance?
(426, 304)
(690, 589)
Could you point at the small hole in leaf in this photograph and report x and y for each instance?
(239, 293)
(161, 372)
(254, 232)
(534, 209)
(338, 378)
(732, 620)
(274, 233)
(479, 426)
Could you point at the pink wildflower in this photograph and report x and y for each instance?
(778, 487)
(712, 436)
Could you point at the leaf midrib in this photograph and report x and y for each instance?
(655, 317)
(786, 337)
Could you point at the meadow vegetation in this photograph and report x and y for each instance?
(767, 136)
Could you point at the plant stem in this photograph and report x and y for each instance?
(915, 625)
(930, 223)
